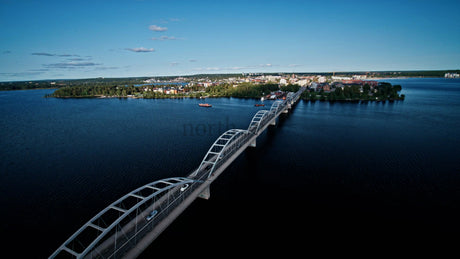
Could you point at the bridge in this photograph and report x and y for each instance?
(129, 225)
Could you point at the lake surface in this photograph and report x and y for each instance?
(328, 174)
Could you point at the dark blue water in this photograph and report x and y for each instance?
(327, 174)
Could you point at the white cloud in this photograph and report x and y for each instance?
(210, 69)
(105, 68)
(207, 69)
(141, 49)
(21, 74)
(43, 54)
(53, 55)
(71, 64)
(236, 68)
(166, 38)
(157, 28)
(294, 65)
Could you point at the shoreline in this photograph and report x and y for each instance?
(218, 97)
(28, 89)
(133, 97)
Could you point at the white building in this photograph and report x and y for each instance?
(322, 79)
(340, 78)
(303, 82)
(272, 78)
(452, 75)
(314, 85)
(283, 81)
(359, 77)
(151, 80)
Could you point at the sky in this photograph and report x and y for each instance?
(69, 39)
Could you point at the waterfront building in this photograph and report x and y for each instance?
(452, 75)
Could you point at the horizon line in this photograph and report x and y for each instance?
(238, 73)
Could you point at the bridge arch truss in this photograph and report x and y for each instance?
(123, 223)
(225, 145)
(260, 118)
(276, 106)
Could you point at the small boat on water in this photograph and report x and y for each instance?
(204, 105)
(259, 104)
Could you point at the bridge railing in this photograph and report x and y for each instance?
(125, 240)
(234, 147)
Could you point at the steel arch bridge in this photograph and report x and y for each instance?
(130, 224)
(259, 119)
(108, 233)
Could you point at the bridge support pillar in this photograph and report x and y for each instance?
(286, 111)
(273, 122)
(205, 194)
(253, 143)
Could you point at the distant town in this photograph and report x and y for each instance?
(318, 83)
(452, 75)
(346, 86)
(319, 87)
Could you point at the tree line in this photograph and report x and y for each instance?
(243, 90)
(382, 92)
(108, 90)
(248, 90)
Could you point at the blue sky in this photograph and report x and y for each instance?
(85, 39)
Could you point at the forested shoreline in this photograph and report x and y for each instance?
(245, 90)
(382, 92)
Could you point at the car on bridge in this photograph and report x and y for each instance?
(185, 186)
(151, 215)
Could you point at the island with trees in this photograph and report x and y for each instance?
(380, 91)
